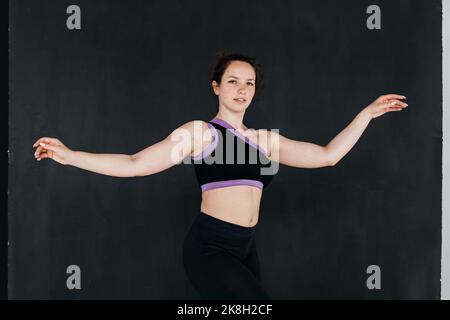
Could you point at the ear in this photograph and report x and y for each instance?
(216, 87)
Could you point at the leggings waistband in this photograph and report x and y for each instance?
(214, 223)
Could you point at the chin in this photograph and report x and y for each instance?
(238, 108)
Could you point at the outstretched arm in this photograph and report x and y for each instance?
(308, 155)
(155, 158)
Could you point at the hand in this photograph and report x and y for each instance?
(386, 103)
(52, 148)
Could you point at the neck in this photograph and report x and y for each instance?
(233, 118)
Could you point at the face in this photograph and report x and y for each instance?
(237, 86)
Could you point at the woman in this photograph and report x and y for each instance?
(219, 251)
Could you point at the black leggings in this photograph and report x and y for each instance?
(221, 261)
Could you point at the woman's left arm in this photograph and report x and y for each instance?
(308, 155)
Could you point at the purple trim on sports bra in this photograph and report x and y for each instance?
(209, 149)
(230, 183)
(225, 124)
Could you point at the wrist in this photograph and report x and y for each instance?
(71, 158)
(366, 114)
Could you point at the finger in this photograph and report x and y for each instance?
(36, 143)
(38, 151)
(389, 104)
(394, 109)
(46, 140)
(393, 96)
(41, 140)
(42, 151)
(49, 146)
(387, 97)
(399, 103)
(42, 156)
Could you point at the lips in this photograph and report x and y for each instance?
(240, 99)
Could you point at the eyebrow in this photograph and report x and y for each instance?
(238, 78)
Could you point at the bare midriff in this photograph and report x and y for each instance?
(236, 204)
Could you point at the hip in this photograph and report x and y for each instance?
(209, 235)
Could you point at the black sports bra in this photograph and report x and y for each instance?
(231, 159)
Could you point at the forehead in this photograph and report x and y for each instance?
(240, 69)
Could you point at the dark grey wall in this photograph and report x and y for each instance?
(4, 160)
(138, 69)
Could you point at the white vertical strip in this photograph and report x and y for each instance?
(445, 266)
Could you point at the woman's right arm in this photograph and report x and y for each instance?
(155, 158)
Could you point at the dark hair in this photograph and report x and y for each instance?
(225, 57)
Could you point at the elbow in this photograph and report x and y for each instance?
(134, 172)
(331, 159)
(332, 162)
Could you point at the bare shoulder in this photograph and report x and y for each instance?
(194, 124)
(199, 133)
(198, 129)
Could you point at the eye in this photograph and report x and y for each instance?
(231, 81)
(251, 83)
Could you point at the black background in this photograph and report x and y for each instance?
(4, 156)
(139, 69)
